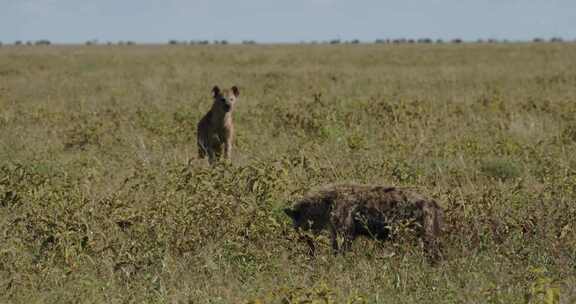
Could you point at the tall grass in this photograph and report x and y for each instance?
(102, 198)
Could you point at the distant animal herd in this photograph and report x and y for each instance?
(345, 210)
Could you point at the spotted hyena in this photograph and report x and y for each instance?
(216, 129)
(349, 210)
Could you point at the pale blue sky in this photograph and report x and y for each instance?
(283, 20)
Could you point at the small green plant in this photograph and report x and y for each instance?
(404, 172)
(501, 169)
(569, 134)
(543, 289)
(319, 294)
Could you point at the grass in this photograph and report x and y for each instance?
(103, 199)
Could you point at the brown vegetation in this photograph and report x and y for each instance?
(99, 204)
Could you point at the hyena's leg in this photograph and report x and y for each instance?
(228, 145)
(334, 239)
(201, 152)
(342, 229)
(201, 146)
(227, 150)
(344, 234)
(211, 157)
(347, 244)
(335, 227)
(349, 230)
(217, 151)
(432, 248)
(311, 246)
(433, 218)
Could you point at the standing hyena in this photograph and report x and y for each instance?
(349, 210)
(215, 129)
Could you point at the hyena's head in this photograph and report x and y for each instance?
(226, 99)
(296, 216)
(307, 215)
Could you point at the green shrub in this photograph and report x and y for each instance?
(502, 169)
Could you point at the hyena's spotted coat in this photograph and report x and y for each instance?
(216, 129)
(349, 210)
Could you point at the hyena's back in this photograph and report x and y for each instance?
(376, 208)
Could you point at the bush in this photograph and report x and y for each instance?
(556, 39)
(501, 169)
(122, 42)
(42, 42)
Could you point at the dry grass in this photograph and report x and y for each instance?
(102, 198)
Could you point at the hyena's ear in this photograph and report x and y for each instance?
(235, 91)
(215, 91)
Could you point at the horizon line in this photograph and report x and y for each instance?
(333, 41)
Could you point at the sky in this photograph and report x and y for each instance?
(77, 21)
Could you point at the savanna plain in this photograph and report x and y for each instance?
(103, 198)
